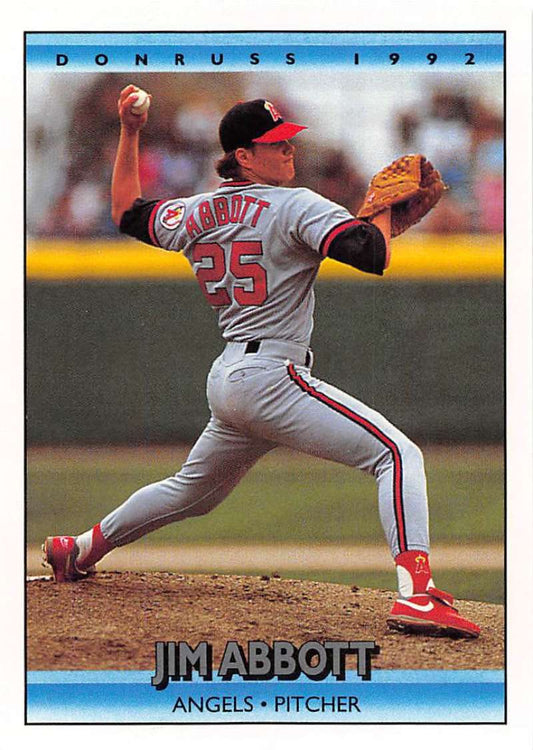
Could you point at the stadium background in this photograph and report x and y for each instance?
(119, 340)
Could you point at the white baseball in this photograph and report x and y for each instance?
(142, 104)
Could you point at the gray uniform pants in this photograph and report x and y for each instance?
(266, 399)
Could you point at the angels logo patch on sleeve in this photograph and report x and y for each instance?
(172, 215)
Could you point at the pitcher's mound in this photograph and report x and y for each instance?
(112, 620)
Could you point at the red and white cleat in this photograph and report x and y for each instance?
(430, 614)
(60, 553)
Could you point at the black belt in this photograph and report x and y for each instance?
(252, 347)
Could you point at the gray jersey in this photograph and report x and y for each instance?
(255, 250)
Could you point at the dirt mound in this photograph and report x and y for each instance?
(111, 621)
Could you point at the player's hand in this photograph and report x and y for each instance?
(131, 122)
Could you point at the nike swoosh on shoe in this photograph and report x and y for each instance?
(419, 607)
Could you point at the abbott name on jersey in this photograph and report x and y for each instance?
(220, 210)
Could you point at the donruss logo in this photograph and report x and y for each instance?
(173, 215)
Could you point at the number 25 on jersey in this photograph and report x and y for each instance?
(253, 287)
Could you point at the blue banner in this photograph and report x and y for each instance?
(234, 52)
(391, 696)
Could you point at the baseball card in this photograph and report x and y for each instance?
(266, 282)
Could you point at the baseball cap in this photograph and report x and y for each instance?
(256, 121)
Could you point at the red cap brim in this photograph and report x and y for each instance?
(280, 133)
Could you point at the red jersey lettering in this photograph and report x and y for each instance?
(248, 200)
(221, 211)
(236, 206)
(207, 220)
(260, 206)
(192, 227)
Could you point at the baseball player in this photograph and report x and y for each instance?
(255, 246)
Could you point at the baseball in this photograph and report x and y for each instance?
(142, 104)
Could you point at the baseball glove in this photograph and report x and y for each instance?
(410, 186)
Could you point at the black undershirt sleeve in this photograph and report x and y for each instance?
(362, 246)
(135, 221)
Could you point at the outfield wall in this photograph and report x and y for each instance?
(113, 357)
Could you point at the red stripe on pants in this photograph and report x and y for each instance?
(377, 433)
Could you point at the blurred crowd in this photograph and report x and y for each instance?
(180, 146)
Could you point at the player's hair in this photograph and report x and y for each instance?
(228, 166)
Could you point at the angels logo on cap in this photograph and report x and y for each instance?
(273, 111)
(256, 121)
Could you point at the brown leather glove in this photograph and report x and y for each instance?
(410, 186)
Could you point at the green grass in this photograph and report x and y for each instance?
(285, 498)
(479, 585)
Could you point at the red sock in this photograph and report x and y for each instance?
(414, 573)
(99, 546)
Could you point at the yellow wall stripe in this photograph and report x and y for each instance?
(420, 256)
